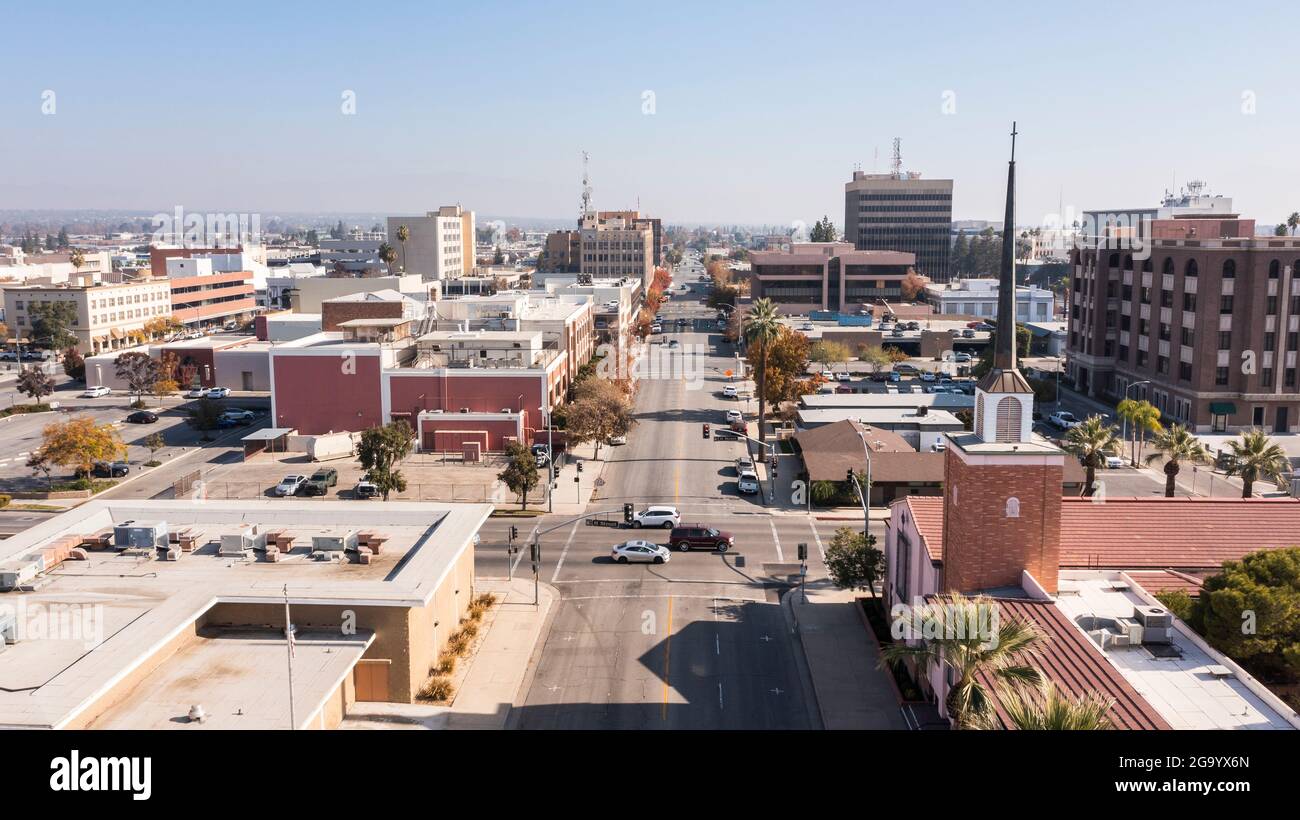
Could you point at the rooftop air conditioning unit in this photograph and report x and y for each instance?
(140, 535)
(332, 547)
(1153, 617)
(16, 573)
(8, 627)
(464, 409)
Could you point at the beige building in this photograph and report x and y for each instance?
(184, 608)
(441, 245)
(108, 316)
(614, 248)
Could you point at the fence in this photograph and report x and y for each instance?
(482, 492)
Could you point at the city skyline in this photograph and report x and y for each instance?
(672, 127)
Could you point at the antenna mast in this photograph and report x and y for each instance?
(896, 165)
(586, 187)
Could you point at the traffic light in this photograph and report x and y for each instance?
(627, 513)
(849, 477)
(706, 431)
(579, 466)
(514, 533)
(535, 552)
(803, 551)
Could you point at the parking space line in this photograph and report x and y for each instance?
(812, 525)
(780, 556)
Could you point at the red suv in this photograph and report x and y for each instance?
(693, 536)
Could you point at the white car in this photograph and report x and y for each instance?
(927, 376)
(642, 551)
(618, 440)
(729, 391)
(197, 393)
(95, 392)
(747, 483)
(656, 328)
(744, 464)
(218, 392)
(1063, 419)
(807, 326)
(289, 485)
(734, 415)
(843, 377)
(1114, 462)
(657, 516)
(239, 415)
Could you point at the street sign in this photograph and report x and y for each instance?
(603, 522)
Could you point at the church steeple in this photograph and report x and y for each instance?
(1005, 377)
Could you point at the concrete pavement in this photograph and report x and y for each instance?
(853, 692)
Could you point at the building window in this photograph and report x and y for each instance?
(1229, 269)
(1220, 375)
(1274, 269)
(1225, 305)
(1225, 340)
(1013, 507)
(1008, 420)
(1185, 371)
(1189, 302)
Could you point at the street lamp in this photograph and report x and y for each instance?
(864, 492)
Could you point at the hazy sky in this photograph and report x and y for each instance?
(759, 110)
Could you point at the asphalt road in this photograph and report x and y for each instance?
(699, 642)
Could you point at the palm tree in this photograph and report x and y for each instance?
(1256, 456)
(1176, 445)
(1143, 417)
(956, 630)
(403, 234)
(1293, 221)
(761, 325)
(1092, 440)
(77, 259)
(1048, 709)
(387, 255)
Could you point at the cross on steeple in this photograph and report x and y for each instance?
(1013, 140)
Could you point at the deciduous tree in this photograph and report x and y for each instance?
(78, 443)
(381, 450)
(520, 474)
(140, 371)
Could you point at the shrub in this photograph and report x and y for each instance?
(436, 689)
(458, 644)
(486, 600)
(4, 500)
(446, 664)
(469, 629)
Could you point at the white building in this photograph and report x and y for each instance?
(283, 279)
(441, 244)
(979, 297)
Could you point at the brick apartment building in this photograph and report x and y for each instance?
(828, 276)
(380, 304)
(1211, 320)
(202, 296)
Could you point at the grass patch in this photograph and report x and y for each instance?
(498, 513)
(95, 486)
(469, 629)
(153, 462)
(445, 666)
(20, 409)
(35, 507)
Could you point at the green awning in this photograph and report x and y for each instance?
(1222, 408)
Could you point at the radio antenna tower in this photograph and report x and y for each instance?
(586, 187)
(896, 165)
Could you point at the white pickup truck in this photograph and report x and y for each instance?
(1063, 419)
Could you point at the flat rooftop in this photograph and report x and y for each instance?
(880, 416)
(1190, 687)
(128, 603)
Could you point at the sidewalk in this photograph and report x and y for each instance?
(572, 498)
(853, 692)
(496, 673)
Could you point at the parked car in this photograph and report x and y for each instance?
(618, 441)
(321, 481)
(1114, 462)
(96, 392)
(657, 516)
(747, 483)
(218, 392)
(963, 358)
(656, 328)
(744, 464)
(290, 485)
(843, 377)
(365, 489)
(196, 393)
(927, 376)
(541, 454)
(968, 334)
(895, 377)
(672, 344)
(110, 469)
(1063, 419)
(238, 416)
(697, 536)
(807, 326)
(142, 417)
(639, 551)
(729, 391)
(8, 356)
(906, 368)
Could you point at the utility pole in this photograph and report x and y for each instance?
(288, 634)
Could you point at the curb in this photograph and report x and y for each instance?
(534, 658)
(801, 659)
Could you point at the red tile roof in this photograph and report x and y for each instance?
(927, 512)
(1191, 534)
(1178, 533)
(1071, 661)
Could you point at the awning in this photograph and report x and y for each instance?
(1222, 408)
(269, 433)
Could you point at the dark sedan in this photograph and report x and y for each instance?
(142, 417)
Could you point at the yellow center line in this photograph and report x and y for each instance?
(668, 648)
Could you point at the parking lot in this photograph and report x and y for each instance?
(428, 478)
